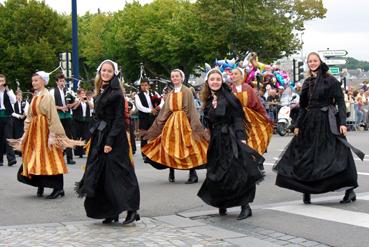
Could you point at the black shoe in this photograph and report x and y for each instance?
(131, 217)
(306, 198)
(171, 177)
(350, 196)
(110, 220)
(193, 177)
(245, 212)
(1, 163)
(222, 211)
(71, 162)
(12, 162)
(40, 191)
(55, 194)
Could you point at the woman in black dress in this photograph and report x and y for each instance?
(318, 159)
(232, 168)
(109, 182)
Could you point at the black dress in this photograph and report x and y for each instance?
(109, 182)
(318, 159)
(233, 167)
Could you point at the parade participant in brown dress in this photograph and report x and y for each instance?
(43, 142)
(176, 138)
(259, 128)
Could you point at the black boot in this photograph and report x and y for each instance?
(55, 194)
(171, 177)
(110, 220)
(245, 212)
(131, 217)
(70, 161)
(350, 196)
(192, 177)
(40, 191)
(222, 211)
(306, 198)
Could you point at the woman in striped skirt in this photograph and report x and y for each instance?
(258, 126)
(43, 142)
(177, 138)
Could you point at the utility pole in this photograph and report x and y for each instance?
(75, 63)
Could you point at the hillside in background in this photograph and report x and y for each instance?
(353, 63)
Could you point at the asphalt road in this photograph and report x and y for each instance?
(274, 208)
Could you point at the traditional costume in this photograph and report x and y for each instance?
(42, 145)
(176, 138)
(109, 183)
(259, 128)
(319, 159)
(233, 167)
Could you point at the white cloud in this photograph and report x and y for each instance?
(344, 28)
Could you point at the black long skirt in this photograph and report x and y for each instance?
(52, 181)
(232, 173)
(316, 161)
(109, 182)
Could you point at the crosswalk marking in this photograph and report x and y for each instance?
(327, 213)
(366, 198)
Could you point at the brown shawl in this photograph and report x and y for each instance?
(254, 101)
(188, 107)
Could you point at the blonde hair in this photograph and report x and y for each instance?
(320, 59)
(98, 80)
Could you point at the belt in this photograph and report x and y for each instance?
(332, 111)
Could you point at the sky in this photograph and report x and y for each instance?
(344, 28)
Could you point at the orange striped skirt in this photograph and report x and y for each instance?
(259, 130)
(38, 158)
(176, 147)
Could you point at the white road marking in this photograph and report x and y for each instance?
(357, 159)
(363, 173)
(327, 213)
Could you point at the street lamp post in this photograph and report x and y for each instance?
(75, 65)
(302, 47)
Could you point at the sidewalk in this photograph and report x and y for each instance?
(163, 231)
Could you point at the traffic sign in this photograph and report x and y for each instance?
(334, 70)
(334, 53)
(335, 61)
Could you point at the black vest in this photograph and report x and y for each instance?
(7, 104)
(78, 113)
(21, 110)
(146, 119)
(57, 96)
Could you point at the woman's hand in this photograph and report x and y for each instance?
(107, 149)
(343, 130)
(296, 131)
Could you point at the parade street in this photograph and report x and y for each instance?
(173, 215)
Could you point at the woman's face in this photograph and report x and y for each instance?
(313, 62)
(215, 81)
(237, 76)
(37, 82)
(176, 78)
(107, 72)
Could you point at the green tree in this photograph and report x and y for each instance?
(268, 27)
(159, 34)
(92, 30)
(31, 35)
